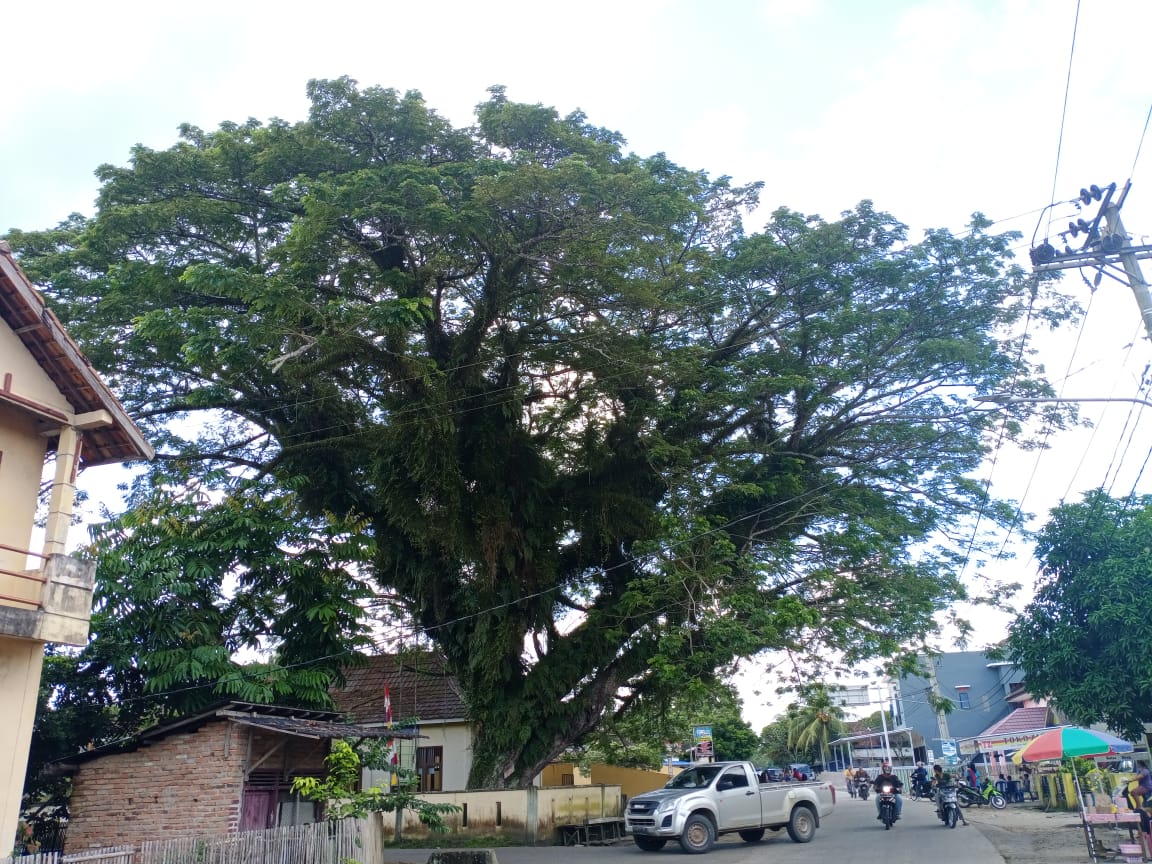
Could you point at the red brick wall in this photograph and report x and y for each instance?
(180, 786)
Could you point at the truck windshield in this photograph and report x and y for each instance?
(694, 778)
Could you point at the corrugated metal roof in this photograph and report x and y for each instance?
(304, 722)
(318, 729)
(24, 310)
(419, 684)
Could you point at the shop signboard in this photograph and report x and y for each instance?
(702, 738)
(949, 751)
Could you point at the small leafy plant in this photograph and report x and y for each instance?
(341, 799)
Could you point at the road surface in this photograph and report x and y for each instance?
(851, 835)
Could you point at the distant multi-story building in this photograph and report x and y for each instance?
(992, 711)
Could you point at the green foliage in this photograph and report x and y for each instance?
(1083, 640)
(342, 798)
(659, 726)
(187, 583)
(813, 721)
(734, 739)
(546, 378)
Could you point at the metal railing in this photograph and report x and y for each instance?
(36, 576)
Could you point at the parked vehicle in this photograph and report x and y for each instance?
(772, 775)
(985, 794)
(708, 800)
(947, 808)
(807, 772)
(887, 806)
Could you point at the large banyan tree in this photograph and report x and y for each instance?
(544, 400)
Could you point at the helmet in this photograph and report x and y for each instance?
(919, 764)
(885, 766)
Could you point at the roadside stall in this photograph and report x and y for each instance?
(1073, 742)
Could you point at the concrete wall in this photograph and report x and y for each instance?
(986, 694)
(28, 381)
(557, 774)
(21, 465)
(632, 781)
(20, 663)
(528, 816)
(22, 451)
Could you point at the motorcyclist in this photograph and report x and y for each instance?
(861, 777)
(919, 776)
(887, 778)
(940, 778)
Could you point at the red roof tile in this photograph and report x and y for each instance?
(419, 685)
(1020, 720)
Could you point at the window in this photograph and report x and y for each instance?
(295, 811)
(734, 778)
(964, 702)
(430, 768)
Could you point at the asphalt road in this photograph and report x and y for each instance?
(851, 835)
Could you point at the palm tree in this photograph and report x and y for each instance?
(814, 721)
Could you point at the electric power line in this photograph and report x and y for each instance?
(1140, 145)
(1064, 110)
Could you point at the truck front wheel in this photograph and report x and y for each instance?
(699, 835)
(752, 835)
(802, 825)
(649, 844)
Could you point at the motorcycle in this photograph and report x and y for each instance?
(862, 788)
(947, 809)
(920, 789)
(887, 806)
(985, 794)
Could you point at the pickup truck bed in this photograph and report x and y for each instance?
(711, 799)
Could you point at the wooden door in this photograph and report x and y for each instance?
(258, 811)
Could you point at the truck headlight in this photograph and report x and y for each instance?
(665, 805)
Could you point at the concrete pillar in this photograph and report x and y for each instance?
(20, 663)
(532, 815)
(63, 492)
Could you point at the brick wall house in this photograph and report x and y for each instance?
(226, 770)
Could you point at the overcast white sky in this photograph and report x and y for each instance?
(934, 109)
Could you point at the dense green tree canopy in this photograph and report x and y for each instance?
(659, 725)
(600, 440)
(1083, 640)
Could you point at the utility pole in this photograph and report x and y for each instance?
(1101, 250)
(941, 715)
(884, 724)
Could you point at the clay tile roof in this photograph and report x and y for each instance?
(419, 685)
(23, 309)
(1020, 720)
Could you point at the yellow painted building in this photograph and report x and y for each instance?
(53, 405)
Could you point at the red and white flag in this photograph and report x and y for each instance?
(393, 750)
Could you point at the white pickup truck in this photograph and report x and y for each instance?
(707, 800)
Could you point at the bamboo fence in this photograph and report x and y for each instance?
(339, 842)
